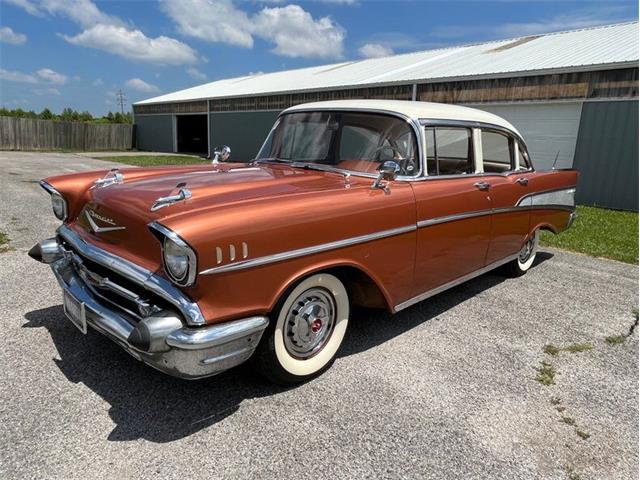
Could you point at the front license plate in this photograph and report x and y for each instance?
(74, 310)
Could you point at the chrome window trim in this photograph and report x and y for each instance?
(480, 125)
(301, 252)
(190, 276)
(415, 125)
(137, 274)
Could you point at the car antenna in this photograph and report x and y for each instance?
(554, 162)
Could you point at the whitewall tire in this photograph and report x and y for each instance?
(526, 256)
(306, 331)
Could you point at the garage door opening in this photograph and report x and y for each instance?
(192, 134)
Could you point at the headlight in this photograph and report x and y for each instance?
(179, 259)
(176, 259)
(59, 206)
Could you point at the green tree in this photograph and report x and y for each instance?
(86, 116)
(46, 114)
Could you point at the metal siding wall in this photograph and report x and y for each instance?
(244, 132)
(154, 133)
(549, 129)
(607, 155)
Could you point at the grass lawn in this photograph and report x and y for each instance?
(156, 160)
(600, 233)
(4, 242)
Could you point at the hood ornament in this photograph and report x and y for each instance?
(113, 176)
(90, 215)
(183, 194)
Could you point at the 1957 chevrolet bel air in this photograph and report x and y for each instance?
(196, 269)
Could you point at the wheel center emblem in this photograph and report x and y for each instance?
(316, 325)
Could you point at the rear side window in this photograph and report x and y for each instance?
(449, 151)
(497, 152)
(523, 158)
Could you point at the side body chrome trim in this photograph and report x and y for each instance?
(278, 257)
(453, 283)
(137, 274)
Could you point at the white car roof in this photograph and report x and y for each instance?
(414, 110)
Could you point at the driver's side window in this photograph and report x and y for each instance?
(367, 140)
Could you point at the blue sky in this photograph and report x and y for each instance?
(78, 53)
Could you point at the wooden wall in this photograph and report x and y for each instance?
(30, 134)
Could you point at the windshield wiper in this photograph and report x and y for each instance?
(270, 160)
(320, 167)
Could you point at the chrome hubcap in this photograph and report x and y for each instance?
(527, 249)
(309, 323)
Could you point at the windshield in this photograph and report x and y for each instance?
(357, 142)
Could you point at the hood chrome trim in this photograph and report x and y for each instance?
(183, 194)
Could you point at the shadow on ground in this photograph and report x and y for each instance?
(153, 406)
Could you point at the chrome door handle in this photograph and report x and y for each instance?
(523, 181)
(482, 185)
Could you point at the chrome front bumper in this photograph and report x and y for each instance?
(162, 339)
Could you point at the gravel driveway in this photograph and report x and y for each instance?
(445, 389)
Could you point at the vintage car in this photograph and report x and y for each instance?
(372, 203)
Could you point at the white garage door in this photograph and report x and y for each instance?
(547, 128)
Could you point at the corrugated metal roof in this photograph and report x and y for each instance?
(605, 46)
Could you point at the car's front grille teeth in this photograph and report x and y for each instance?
(116, 290)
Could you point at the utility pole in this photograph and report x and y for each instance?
(121, 98)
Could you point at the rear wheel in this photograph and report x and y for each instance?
(526, 257)
(302, 341)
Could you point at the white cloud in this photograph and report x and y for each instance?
(292, 29)
(110, 34)
(7, 35)
(195, 73)
(297, 34)
(27, 5)
(14, 76)
(97, 82)
(83, 12)
(141, 85)
(213, 21)
(375, 50)
(46, 91)
(52, 76)
(135, 45)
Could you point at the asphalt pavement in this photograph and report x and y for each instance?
(444, 389)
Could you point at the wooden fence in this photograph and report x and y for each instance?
(30, 134)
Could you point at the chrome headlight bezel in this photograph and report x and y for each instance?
(62, 212)
(170, 238)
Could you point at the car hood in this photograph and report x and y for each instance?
(117, 216)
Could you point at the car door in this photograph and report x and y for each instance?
(507, 175)
(453, 212)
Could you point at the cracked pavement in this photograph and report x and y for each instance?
(445, 389)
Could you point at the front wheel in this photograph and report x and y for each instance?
(309, 328)
(526, 257)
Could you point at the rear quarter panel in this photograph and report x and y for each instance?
(546, 213)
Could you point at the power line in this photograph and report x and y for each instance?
(121, 99)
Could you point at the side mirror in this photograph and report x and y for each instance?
(221, 154)
(387, 171)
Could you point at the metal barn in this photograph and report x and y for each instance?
(573, 95)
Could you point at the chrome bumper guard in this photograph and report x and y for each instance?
(161, 340)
